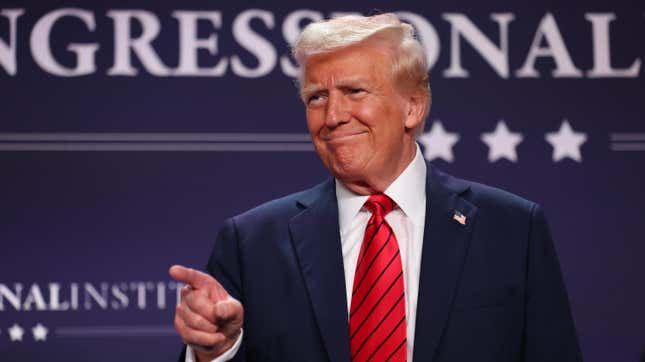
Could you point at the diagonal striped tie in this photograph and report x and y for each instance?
(377, 326)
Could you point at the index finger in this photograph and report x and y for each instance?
(198, 280)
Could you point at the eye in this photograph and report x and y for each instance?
(355, 91)
(315, 99)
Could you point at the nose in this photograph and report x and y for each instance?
(336, 112)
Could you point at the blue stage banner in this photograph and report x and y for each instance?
(130, 131)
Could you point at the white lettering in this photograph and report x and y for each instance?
(255, 44)
(161, 295)
(123, 43)
(496, 56)
(254, 52)
(291, 28)
(94, 295)
(189, 44)
(74, 296)
(12, 297)
(602, 50)
(34, 297)
(41, 45)
(177, 287)
(122, 300)
(8, 52)
(54, 298)
(556, 49)
(140, 288)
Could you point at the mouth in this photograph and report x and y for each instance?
(342, 137)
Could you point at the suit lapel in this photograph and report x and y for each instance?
(316, 240)
(445, 245)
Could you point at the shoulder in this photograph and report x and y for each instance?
(500, 216)
(485, 197)
(493, 197)
(284, 208)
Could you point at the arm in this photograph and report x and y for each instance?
(550, 333)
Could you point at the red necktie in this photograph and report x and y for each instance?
(377, 326)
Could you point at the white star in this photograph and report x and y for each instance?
(39, 332)
(566, 142)
(15, 333)
(438, 143)
(502, 143)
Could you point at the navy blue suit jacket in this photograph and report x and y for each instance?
(490, 290)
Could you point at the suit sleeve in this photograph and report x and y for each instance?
(550, 333)
(225, 265)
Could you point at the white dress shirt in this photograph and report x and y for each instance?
(407, 221)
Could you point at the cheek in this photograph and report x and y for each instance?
(378, 113)
(314, 122)
(390, 121)
(367, 115)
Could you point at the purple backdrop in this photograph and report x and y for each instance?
(129, 132)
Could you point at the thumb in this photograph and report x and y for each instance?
(229, 315)
(228, 309)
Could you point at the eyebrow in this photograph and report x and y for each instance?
(344, 83)
(310, 89)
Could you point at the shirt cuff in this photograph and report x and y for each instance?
(226, 356)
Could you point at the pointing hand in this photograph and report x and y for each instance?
(207, 318)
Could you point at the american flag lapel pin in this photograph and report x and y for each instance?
(459, 217)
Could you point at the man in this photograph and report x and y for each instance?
(390, 260)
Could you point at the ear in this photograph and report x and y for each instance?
(416, 106)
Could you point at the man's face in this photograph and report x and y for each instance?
(359, 121)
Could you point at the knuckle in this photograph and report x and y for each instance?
(216, 338)
(221, 337)
(192, 338)
(195, 297)
(194, 320)
(205, 340)
(224, 308)
(192, 302)
(181, 328)
(180, 311)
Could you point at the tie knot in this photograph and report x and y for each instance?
(379, 204)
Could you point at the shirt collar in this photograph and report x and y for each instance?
(408, 191)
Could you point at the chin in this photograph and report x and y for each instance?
(346, 163)
(347, 172)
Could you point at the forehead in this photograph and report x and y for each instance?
(358, 63)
